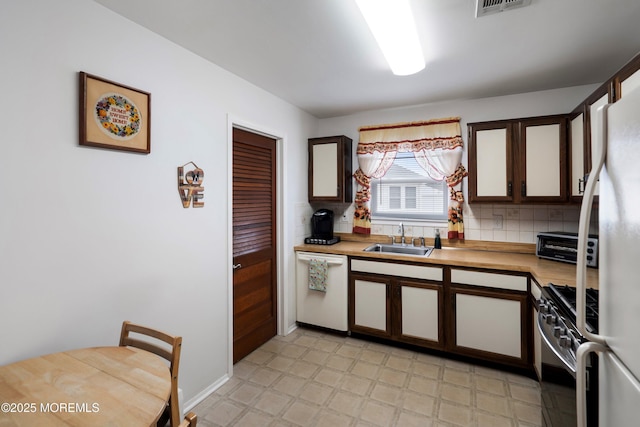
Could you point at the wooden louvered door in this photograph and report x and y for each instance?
(254, 242)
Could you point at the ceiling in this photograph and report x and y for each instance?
(320, 56)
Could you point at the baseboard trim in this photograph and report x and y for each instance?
(205, 393)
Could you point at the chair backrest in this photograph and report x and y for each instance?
(170, 352)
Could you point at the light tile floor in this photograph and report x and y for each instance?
(312, 378)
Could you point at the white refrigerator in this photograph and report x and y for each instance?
(617, 161)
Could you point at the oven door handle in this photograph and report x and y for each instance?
(581, 381)
(599, 146)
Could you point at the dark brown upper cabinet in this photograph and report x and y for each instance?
(627, 79)
(577, 153)
(518, 160)
(584, 129)
(330, 172)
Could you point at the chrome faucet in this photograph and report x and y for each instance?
(401, 231)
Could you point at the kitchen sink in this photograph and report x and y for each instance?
(399, 249)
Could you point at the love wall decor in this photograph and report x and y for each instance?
(114, 116)
(190, 186)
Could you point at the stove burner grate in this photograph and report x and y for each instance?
(565, 297)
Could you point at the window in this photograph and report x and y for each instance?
(407, 192)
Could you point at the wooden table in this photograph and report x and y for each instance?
(102, 386)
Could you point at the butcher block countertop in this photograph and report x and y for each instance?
(489, 255)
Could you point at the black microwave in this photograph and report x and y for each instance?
(563, 246)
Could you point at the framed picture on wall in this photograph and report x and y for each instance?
(114, 116)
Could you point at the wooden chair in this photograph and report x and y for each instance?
(190, 420)
(170, 352)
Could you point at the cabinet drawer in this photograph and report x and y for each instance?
(490, 280)
(400, 270)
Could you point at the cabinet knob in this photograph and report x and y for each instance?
(523, 189)
(509, 189)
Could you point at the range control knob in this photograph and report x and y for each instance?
(551, 319)
(543, 306)
(558, 331)
(565, 341)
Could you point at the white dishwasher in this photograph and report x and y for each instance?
(327, 309)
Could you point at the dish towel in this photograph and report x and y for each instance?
(318, 274)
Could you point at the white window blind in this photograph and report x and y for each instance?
(407, 192)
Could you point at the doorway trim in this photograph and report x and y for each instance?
(280, 137)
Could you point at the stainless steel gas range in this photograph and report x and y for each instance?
(557, 325)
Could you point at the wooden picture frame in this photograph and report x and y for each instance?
(114, 116)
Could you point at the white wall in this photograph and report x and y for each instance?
(91, 237)
(520, 223)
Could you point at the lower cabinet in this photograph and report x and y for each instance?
(481, 314)
(536, 294)
(418, 313)
(490, 316)
(370, 305)
(397, 308)
(490, 324)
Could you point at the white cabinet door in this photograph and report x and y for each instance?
(595, 130)
(420, 313)
(577, 154)
(325, 170)
(537, 345)
(543, 160)
(489, 324)
(536, 293)
(492, 157)
(370, 305)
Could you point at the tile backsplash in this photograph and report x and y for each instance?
(520, 223)
(491, 222)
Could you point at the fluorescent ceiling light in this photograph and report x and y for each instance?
(393, 26)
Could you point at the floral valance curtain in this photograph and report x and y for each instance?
(437, 147)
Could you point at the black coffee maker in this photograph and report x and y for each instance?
(322, 228)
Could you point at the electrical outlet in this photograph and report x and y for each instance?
(497, 222)
(345, 217)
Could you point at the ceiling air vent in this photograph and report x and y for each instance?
(487, 7)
